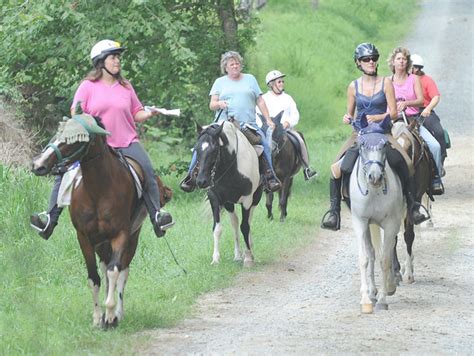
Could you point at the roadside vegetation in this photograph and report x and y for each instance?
(45, 304)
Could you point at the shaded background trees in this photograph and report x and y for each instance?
(173, 53)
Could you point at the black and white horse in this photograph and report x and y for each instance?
(228, 168)
(377, 208)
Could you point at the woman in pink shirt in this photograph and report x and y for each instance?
(106, 94)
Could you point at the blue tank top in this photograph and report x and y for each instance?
(377, 104)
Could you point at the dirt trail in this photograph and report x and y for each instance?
(308, 303)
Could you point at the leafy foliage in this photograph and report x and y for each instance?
(173, 51)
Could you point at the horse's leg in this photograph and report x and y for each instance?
(217, 228)
(234, 220)
(245, 228)
(374, 238)
(429, 206)
(268, 204)
(93, 276)
(284, 195)
(396, 264)
(386, 260)
(361, 229)
(409, 236)
(127, 257)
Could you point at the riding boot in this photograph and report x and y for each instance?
(272, 182)
(45, 228)
(437, 187)
(332, 218)
(412, 205)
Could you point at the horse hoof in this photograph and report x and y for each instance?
(248, 263)
(392, 292)
(429, 224)
(366, 308)
(381, 306)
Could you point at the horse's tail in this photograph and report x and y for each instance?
(376, 237)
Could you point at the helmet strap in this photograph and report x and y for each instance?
(374, 74)
(113, 75)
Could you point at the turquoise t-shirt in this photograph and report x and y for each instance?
(241, 97)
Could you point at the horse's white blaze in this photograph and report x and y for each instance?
(234, 220)
(110, 301)
(217, 235)
(122, 280)
(204, 146)
(97, 312)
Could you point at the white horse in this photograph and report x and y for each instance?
(377, 208)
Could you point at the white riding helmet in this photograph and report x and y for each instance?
(103, 48)
(272, 75)
(417, 60)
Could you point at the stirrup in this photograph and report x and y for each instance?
(160, 230)
(438, 191)
(309, 173)
(338, 221)
(425, 217)
(46, 225)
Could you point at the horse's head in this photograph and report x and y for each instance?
(70, 144)
(372, 157)
(207, 149)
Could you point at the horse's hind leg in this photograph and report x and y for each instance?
(386, 260)
(234, 220)
(268, 204)
(93, 277)
(409, 236)
(429, 205)
(284, 195)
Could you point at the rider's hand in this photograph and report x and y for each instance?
(346, 119)
(401, 105)
(270, 123)
(286, 125)
(426, 112)
(222, 104)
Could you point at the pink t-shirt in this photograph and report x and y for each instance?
(115, 104)
(405, 92)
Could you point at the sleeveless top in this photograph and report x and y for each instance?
(374, 105)
(405, 92)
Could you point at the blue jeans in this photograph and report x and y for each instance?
(433, 145)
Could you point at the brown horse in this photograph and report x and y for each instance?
(411, 141)
(105, 209)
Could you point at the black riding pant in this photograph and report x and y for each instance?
(433, 125)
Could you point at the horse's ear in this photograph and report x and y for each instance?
(223, 140)
(198, 127)
(78, 109)
(277, 119)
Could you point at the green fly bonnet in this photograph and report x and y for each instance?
(79, 128)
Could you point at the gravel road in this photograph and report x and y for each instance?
(308, 303)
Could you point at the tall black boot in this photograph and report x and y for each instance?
(45, 223)
(413, 206)
(272, 182)
(332, 218)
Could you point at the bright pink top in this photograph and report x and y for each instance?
(115, 104)
(405, 92)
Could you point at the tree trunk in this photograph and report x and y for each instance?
(226, 13)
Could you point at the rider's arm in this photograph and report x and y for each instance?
(263, 108)
(216, 104)
(427, 111)
(391, 101)
(351, 104)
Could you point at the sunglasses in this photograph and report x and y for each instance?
(368, 59)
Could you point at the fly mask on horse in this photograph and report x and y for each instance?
(377, 206)
(105, 209)
(228, 168)
(286, 164)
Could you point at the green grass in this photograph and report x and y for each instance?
(45, 304)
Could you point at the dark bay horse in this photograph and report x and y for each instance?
(228, 168)
(411, 141)
(286, 164)
(105, 209)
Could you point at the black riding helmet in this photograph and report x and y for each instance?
(366, 50)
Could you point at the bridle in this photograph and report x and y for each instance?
(365, 166)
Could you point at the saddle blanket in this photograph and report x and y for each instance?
(72, 178)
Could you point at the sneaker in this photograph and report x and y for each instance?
(309, 173)
(41, 222)
(437, 186)
(162, 222)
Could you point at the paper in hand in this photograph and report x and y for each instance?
(171, 112)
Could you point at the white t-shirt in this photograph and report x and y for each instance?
(278, 103)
